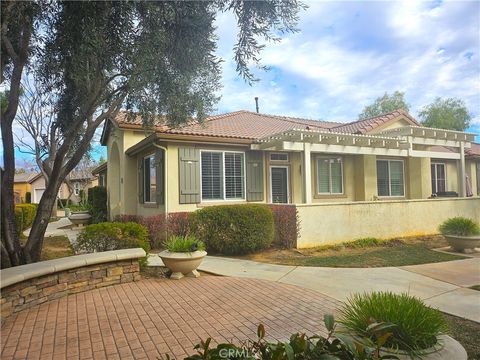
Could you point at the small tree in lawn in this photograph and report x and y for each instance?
(384, 104)
(450, 114)
(157, 58)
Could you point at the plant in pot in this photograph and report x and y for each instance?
(411, 329)
(80, 214)
(183, 255)
(462, 234)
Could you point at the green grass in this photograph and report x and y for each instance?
(55, 247)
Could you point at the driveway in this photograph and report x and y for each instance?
(442, 285)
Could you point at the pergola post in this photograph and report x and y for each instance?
(307, 174)
(463, 191)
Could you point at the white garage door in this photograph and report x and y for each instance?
(37, 195)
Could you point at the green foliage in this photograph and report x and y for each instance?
(459, 226)
(19, 220)
(335, 346)
(365, 242)
(287, 225)
(184, 244)
(234, 229)
(112, 236)
(385, 104)
(79, 207)
(28, 197)
(28, 212)
(97, 199)
(450, 114)
(414, 326)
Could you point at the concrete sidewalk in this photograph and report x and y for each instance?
(55, 229)
(441, 285)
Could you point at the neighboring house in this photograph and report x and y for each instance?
(249, 157)
(101, 173)
(21, 185)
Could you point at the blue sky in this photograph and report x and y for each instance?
(349, 53)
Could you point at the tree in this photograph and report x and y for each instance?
(450, 114)
(101, 160)
(384, 104)
(157, 58)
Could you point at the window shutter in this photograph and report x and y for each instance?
(160, 170)
(140, 181)
(254, 173)
(189, 168)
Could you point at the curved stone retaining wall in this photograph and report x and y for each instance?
(25, 286)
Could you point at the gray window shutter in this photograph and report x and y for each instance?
(254, 173)
(160, 170)
(140, 181)
(189, 166)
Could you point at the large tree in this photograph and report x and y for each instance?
(385, 104)
(450, 114)
(156, 58)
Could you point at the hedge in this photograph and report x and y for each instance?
(234, 229)
(97, 199)
(287, 225)
(24, 216)
(28, 197)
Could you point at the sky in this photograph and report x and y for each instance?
(346, 54)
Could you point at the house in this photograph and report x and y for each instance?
(21, 185)
(250, 157)
(101, 173)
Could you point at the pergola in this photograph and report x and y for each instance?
(408, 141)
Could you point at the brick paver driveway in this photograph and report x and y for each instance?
(152, 317)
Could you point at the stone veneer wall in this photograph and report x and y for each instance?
(32, 292)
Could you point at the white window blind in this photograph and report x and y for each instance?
(439, 178)
(390, 178)
(234, 176)
(329, 176)
(212, 178)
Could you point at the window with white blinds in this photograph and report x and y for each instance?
(390, 178)
(439, 178)
(329, 175)
(223, 175)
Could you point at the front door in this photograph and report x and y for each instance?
(279, 184)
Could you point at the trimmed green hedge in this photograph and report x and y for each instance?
(97, 199)
(234, 229)
(24, 216)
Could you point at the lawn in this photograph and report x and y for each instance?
(395, 252)
(56, 247)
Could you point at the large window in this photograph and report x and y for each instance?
(439, 178)
(149, 179)
(223, 175)
(329, 175)
(390, 178)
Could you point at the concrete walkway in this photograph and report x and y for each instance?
(442, 285)
(55, 228)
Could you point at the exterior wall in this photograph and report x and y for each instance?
(333, 223)
(365, 169)
(21, 189)
(452, 168)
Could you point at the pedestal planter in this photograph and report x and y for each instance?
(447, 348)
(80, 217)
(182, 263)
(462, 243)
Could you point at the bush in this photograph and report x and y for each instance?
(233, 229)
(28, 197)
(178, 224)
(63, 203)
(97, 199)
(156, 229)
(112, 236)
(460, 226)
(414, 326)
(184, 244)
(19, 220)
(287, 225)
(29, 211)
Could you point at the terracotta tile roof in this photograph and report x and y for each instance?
(250, 125)
(474, 150)
(367, 125)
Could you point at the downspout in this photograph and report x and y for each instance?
(165, 197)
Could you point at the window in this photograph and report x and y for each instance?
(149, 179)
(329, 175)
(279, 157)
(223, 175)
(390, 178)
(439, 178)
(76, 188)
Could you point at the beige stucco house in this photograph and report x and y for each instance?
(249, 157)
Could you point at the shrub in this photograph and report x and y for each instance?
(28, 197)
(234, 229)
(365, 242)
(414, 326)
(127, 218)
(155, 225)
(112, 236)
(460, 226)
(19, 220)
(287, 225)
(184, 244)
(29, 211)
(63, 203)
(97, 199)
(178, 224)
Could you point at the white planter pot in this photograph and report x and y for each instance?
(80, 218)
(462, 243)
(182, 264)
(447, 348)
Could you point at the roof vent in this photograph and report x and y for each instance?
(256, 103)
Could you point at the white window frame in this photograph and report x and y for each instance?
(144, 177)
(223, 176)
(330, 175)
(76, 188)
(435, 163)
(279, 153)
(288, 182)
(390, 179)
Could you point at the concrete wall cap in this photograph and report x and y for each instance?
(21, 273)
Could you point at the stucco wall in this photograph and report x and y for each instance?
(332, 223)
(22, 189)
